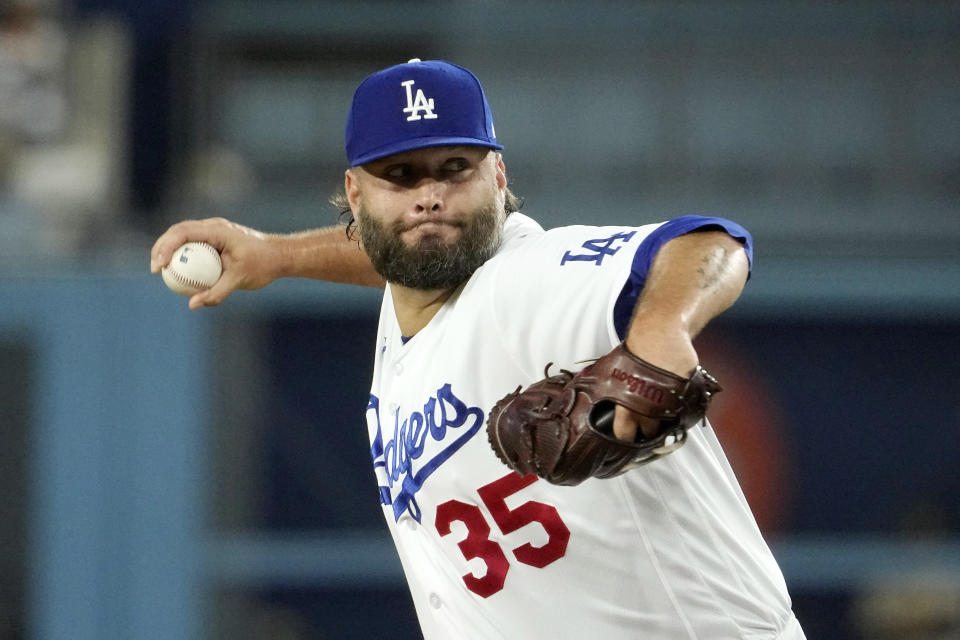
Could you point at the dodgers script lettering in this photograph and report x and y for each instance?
(446, 421)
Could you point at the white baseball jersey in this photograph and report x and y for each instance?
(665, 551)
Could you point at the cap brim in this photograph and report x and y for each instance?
(422, 143)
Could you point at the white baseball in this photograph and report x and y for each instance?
(193, 268)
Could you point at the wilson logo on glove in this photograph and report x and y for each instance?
(639, 385)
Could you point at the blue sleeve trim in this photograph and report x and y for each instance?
(647, 251)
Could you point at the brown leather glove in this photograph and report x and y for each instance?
(561, 428)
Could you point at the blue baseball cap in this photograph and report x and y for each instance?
(415, 105)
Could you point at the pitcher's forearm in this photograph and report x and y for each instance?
(693, 279)
(252, 259)
(323, 254)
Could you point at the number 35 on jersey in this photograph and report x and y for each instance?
(477, 543)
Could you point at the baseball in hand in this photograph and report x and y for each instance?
(193, 268)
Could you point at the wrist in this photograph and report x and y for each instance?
(666, 344)
(664, 325)
(280, 256)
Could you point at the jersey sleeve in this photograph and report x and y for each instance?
(551, 298)
(567, 295)
(651, 244)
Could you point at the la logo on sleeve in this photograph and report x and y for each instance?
(598, 249)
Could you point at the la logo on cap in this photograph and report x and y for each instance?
(418, 104)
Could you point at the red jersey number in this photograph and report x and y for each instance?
(478, 544)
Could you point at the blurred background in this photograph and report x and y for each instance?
(174, 474)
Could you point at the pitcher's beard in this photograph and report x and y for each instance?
(431, 264)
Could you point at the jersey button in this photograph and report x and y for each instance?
(435, 601)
